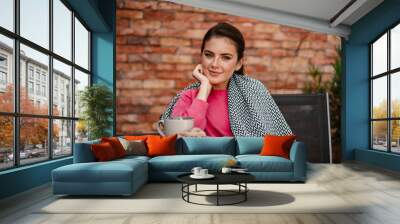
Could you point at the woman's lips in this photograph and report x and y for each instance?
(214, 73)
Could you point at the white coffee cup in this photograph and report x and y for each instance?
(226, 170)
(203, 172)
(174, 125)
(196, 170)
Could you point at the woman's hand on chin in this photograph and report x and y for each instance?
(205, 85)
(194, 132)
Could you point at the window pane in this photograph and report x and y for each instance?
(35, 21)
(33, 139)
(395, 47)
(62, 29)
(395, 94)
(81, 131)
(379, 100)
(6, 142)
(62, 89)
(34, 78)
(81, 81)
(6, 74)
(62, 138)
(379, 135)
(395, 136)
(7, 14)
(379, 55)
(81, 45)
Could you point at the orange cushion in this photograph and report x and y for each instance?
(103, 151)
(277, 145)
(116, 145)
(136, 137)
(161, 145)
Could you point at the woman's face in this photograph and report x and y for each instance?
(219, 60)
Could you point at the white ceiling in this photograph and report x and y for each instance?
(314, 15)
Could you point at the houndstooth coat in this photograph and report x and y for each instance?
(252, 110)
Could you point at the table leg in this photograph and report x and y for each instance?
(245, 193)
(217, 194)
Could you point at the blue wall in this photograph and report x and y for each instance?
(99, 15)
(355, 110)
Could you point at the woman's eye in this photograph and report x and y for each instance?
(208, 55)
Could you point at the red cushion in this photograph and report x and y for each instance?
(161, 145)
(277, 145)
(116, 145)
(103, 151)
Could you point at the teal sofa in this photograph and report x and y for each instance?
(125, 176)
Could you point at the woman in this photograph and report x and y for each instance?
(224, 101)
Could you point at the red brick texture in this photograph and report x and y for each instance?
(158, 46)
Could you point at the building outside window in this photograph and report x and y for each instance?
(385, 91)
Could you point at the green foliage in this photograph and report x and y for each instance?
(97, 102)
(333, 88)
(316, 85)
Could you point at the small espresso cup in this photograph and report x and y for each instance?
(196, 171)
(203, 172)
(226, 170)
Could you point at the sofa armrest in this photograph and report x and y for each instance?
(298, 155)
(83, 152)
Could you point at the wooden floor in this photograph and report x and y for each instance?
(377, 188)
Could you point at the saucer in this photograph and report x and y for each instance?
(208, 176)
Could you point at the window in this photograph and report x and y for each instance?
(30, 72)
(3, 78)
(54, 125)
(3, 61)
(7, 14)
(37, 75)
(3, 72)
(30, 87)
(38, 89)
(385, 94)
(81, 45)
(44, 91)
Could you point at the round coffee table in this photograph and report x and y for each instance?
(238, 179)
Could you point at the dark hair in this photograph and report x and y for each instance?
(228, 31)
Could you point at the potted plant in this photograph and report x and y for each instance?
(96, 102)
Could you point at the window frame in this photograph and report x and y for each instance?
(16, 114)
(388, 74)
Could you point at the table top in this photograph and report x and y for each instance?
(220, 178)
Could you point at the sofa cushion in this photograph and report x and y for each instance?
(116, 145)
(134, 147)
(206, 145)
(111, 171)
(257, 163)
(277, 145)
(103, 152)
(185, 163)
(248, 145)
(161, 145)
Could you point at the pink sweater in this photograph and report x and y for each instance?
(211, 116)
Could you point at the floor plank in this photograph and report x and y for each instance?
(377, 190)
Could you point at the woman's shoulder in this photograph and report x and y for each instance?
(247, 80)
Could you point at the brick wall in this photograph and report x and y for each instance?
(158, 46)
